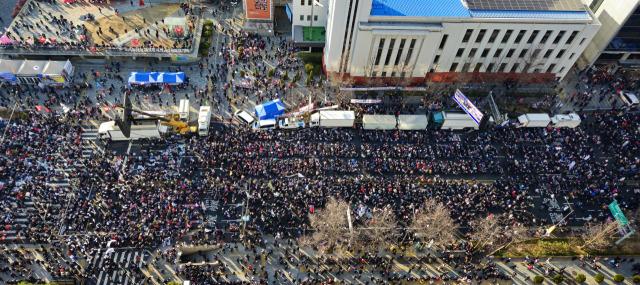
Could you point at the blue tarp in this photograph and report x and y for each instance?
(156, 77)
(270, 110)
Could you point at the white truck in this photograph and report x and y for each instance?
(294, 122)
(379, 122)
(183, 110)
(569, 121)
(454, 121)
(540, 120)
(111, 131)
(332, 119)
(204, 120)
(412, 122)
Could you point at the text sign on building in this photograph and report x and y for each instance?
(258, 9)
(617, 213)
(467, 106)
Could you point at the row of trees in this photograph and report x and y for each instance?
(335, 230)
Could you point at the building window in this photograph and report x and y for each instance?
(582, 41)
(380, 47)
(533, 36)
(310, 2)
(523, 53)
(551, 67)
(410, 52)
(436, 59)
(301, 2)
(453, 67)
(548, 53)
(308, 17)
(389, 51)
(571, 56)
(510, 53)
(374, 74)
(595, 4)
(477, 68)
(561, 53)
(514, 68)
(502, 67)
(498, 52)
(572, 37)
(559, 37)
(481, 35)
(467, 35)
(432, 70)
(460, 52)
(520, 36)
(506, 37)
(546, 36)
(443, 41)
(490, 67)
(384, 74)
(494, 35)
(561, 69)
(302, 16)
(473, 51)
(403, 74)
(315, 17)
(393, 74)
(400, 51)
(485, 52)
(465, 67)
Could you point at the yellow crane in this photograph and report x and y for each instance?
(178, 126)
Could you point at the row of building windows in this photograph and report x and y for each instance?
(493, 68)
(509, 54)
(315, 18)
(518, 39)
(397, 61)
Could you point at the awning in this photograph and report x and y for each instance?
(270, 110)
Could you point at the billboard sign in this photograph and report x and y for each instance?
(258, 9)
(617, 213)
(468, 107)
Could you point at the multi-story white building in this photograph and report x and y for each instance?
(308, 15)
(425, 38)
(617, 43)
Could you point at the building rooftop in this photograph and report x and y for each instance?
(545, 9)
(526, 5)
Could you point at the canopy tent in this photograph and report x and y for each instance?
(32, 67)
(54, 67)
(9, 68)
(171, 77)
(156, 77)
(270, 110)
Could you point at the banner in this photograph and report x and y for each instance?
(467, 106)
(368, 89)
(617, 213)
(366, 101)
(258, 9)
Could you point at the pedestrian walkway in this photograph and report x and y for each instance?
(99, 263)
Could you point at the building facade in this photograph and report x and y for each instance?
(441, 38)
(617, 44)
(308, 23)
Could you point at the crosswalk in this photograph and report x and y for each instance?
(101, 259)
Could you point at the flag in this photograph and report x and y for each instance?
(47, 109)
(39, 108)
(106, 108)
(135, 42)
(141, 3)
(98, 73)
(311, 208)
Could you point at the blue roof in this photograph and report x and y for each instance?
(420, 8)
(530, 14)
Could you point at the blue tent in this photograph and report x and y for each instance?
(270, 110)
(156, 77)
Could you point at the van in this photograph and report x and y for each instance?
(183, 110)
(291, 123)
(264, 125)
(629, 99)
(244, 117)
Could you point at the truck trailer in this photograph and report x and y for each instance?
(111, 131)
(569, 121)
(412, 122)
(455, 121)
(204, 121)
(379, 122)
(332, 119)
(533, 120)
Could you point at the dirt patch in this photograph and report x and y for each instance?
(135, 19)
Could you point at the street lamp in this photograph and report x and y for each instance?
(315, 3)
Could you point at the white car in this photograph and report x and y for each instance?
(263, 125)
(244, 117)
(629, 99)
(291, 123)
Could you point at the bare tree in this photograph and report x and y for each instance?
(497, 231)
(331, 228)
(461, 77)
(531, 65)
(371, 78)
(433, 222)
(596, 233)
(380, 230)
(338, 80)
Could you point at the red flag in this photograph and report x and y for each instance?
(141, 3)
(311, 208)
(106, 108)
(39, 108)
(47, 109)
(98, 73)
